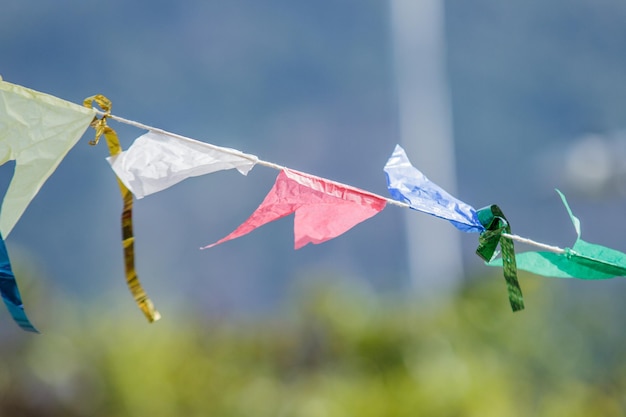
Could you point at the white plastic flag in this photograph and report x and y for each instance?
(156, 161)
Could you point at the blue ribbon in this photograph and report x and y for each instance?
(407, 184)
(10, 293)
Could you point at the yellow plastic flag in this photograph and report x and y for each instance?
(37, 130)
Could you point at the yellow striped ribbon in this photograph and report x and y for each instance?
(128, 240)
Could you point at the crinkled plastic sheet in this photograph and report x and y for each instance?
(37, 131)
(323, 209)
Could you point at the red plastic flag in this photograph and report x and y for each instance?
(323, 209)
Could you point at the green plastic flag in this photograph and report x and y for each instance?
(496, 224)
(36, 130)
(584, 260)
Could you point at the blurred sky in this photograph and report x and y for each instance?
(538, 93)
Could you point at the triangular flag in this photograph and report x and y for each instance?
(10, 292)
(156, 161)
(584, 260)
(323, 209)
(36, 130)
(407, 184)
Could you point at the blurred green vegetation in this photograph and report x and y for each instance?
(338, 349)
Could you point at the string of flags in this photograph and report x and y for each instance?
(37, 130)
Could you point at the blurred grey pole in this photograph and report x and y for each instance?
(434, 245)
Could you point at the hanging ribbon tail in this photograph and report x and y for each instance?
(11, 293)
(128, 239)
(496, 224)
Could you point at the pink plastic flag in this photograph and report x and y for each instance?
(323, 209)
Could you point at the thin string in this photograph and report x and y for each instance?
(186, 139)
(272, 165)
(549, 248)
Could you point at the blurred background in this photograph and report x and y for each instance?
(500, 102)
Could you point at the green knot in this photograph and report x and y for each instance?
(495, 224)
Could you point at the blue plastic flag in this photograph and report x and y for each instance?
(407, 184)
(10, 293)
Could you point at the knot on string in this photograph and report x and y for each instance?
(496, 224)
(100, 125)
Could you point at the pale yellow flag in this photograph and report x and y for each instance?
(37, 130)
